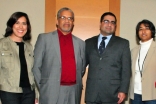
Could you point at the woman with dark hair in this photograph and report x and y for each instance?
(143, 81)
(17, 84)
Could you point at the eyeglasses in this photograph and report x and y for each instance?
(68, 18)
(107, 22)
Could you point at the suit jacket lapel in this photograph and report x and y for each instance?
(76, 48)
(149, 54)
(95, 45)
(55, 40)
(134, 56)
(110, 43)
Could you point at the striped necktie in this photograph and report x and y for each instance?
(102, 45)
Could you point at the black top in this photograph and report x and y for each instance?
(24, 80)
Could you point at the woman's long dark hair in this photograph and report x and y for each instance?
(13, 19)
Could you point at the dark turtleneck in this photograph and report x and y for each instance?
(24, 80)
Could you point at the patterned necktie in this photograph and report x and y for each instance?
(102, 45)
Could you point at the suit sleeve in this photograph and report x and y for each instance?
(86, 54)
(84, 59)
(38, 57)
(126, 68)
(36, 90)
(0, 62)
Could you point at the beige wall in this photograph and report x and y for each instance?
(34, 8)
(133, 11)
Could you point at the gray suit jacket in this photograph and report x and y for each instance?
(109, 73)
(47, 66)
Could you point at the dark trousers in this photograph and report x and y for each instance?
(98, 101)
(27, 97)
(138, 100)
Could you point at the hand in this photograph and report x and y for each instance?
(121, 97)
(36, 101)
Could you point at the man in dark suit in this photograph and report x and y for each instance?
(60, 62)
(109, 63)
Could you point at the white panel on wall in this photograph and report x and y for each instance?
(34, 8)
(133, 11)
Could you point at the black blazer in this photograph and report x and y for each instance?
(110, 72)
